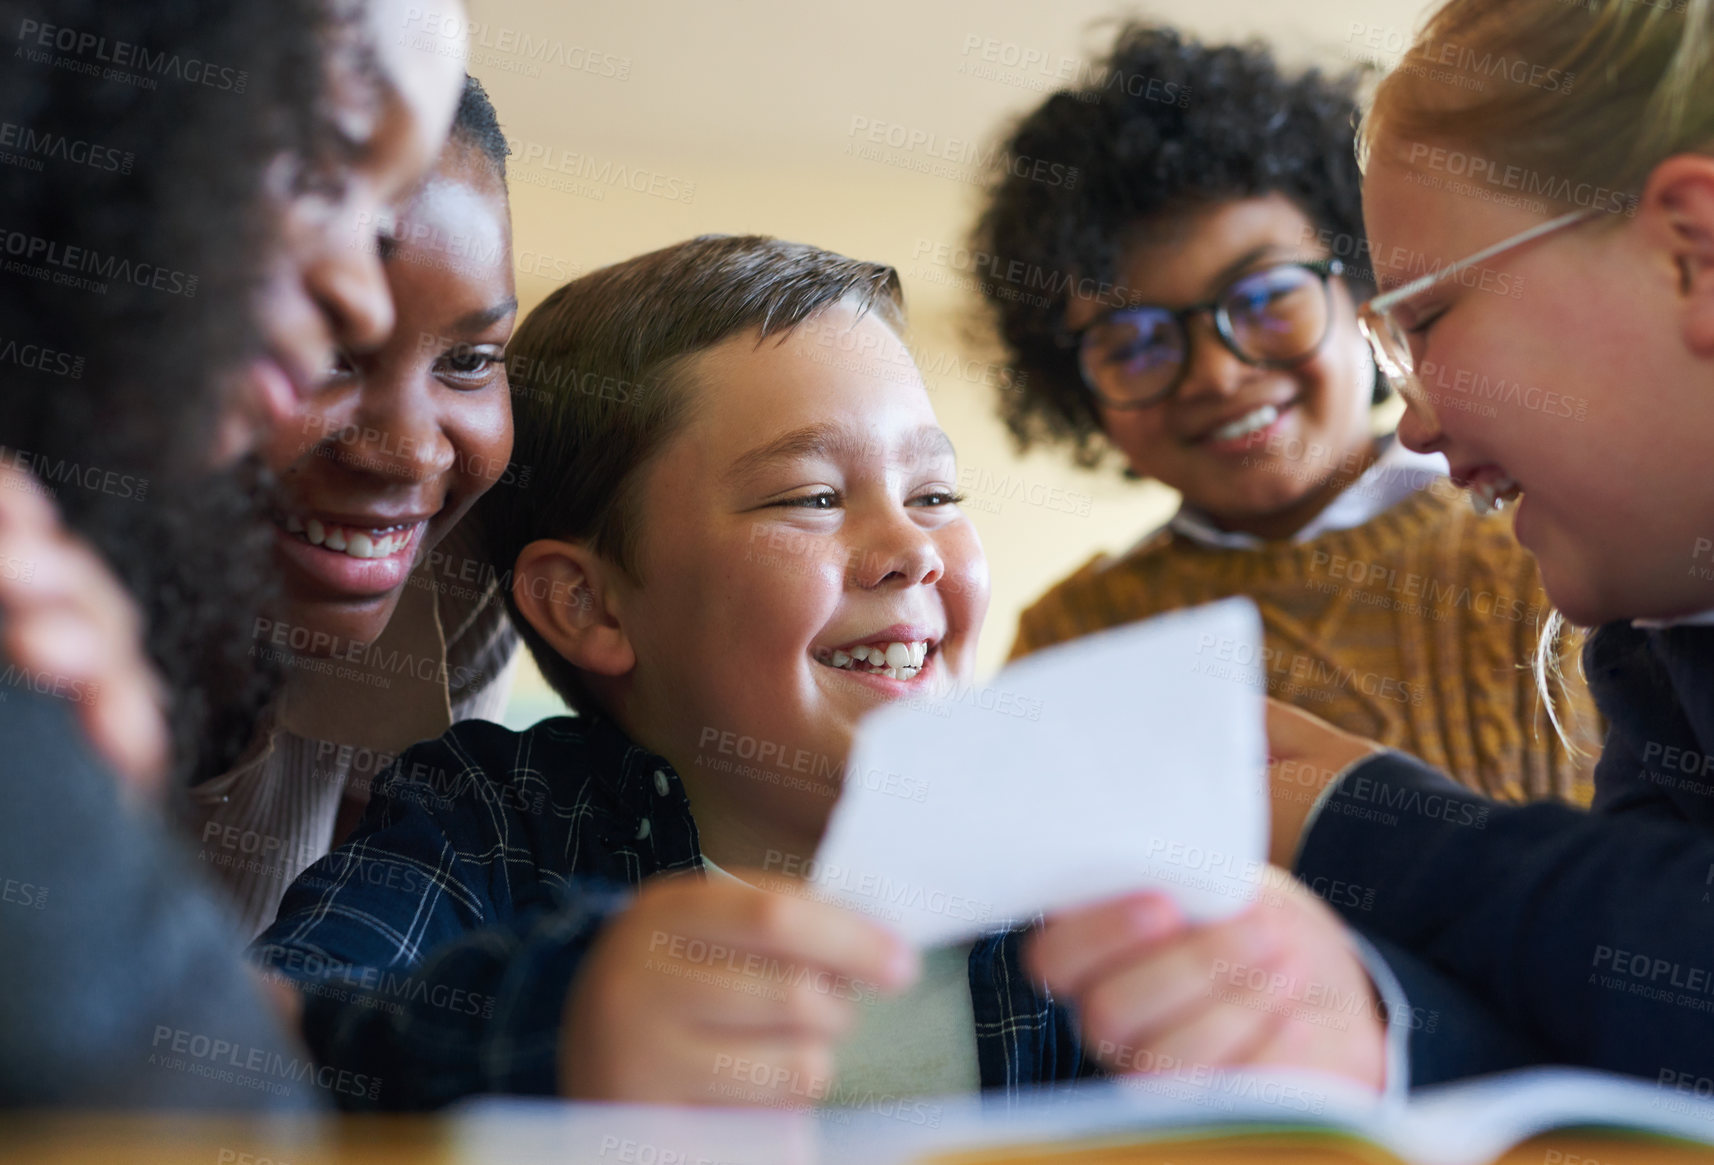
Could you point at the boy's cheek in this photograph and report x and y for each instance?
(965, 583)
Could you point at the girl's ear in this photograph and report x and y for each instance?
(1680, 195)
(565, 590)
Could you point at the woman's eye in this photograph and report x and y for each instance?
(470, 364)
(324, 181)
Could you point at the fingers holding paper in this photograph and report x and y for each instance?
(1278, 985)
(716, 992)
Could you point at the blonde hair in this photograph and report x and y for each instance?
(1549, 669)
(1577, 94)
(1579, 101)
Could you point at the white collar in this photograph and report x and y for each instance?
(1396, 474)
(1701, 619)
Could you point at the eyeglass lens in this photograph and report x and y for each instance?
(1274, 316)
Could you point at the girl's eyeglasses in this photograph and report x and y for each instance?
(1275, 317)
(1387, 321)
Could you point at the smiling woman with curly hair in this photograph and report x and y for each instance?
(1189, 303)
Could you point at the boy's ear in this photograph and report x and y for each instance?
(565, 590)
(1679, 197)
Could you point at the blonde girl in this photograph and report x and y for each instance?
(1570, 146)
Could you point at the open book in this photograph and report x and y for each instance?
(1229, 1117)
(1469, 1123)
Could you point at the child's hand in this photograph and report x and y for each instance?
(66, 618)
(1278, 985)
(1305, 753)
(715, 992)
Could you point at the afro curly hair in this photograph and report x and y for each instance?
(1163, 124)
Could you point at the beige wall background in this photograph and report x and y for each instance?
(639, 124)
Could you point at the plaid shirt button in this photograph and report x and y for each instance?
(643, 829)
(661, 785)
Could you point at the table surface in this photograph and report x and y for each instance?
(76, 1139)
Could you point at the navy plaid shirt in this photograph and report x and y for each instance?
(435, 949)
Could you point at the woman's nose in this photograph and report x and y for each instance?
(350, 288)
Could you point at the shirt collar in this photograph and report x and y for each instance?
(1700, 619)
(1396, 474)
(643, 782)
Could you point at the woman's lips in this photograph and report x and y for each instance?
(341, 568)
(357, 541)
(271, 381)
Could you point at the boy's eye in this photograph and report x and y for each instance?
(824, 500)
(938, 497)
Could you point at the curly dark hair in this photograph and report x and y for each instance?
(1162, 124)
(135, 142)
(478, 124)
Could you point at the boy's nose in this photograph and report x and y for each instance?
(908, 561)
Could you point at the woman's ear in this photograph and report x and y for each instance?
(565, 590)
(1679, 198)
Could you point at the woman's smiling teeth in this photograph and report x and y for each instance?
(1256, 419)
(895, 660)
(351, 541)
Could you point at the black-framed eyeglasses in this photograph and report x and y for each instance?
(1273, 317)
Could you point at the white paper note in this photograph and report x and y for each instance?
(1133, 759)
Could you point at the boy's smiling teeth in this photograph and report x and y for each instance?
(352, 541)
(895, 660)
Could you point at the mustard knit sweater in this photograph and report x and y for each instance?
(1416, 629)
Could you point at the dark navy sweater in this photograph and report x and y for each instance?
(1589, 934)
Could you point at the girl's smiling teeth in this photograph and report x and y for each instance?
(896, 660)
(1244, 431)
(1257, 418)
(352, 541)
(1490, 489)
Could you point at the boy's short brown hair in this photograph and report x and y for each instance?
(597, 376)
